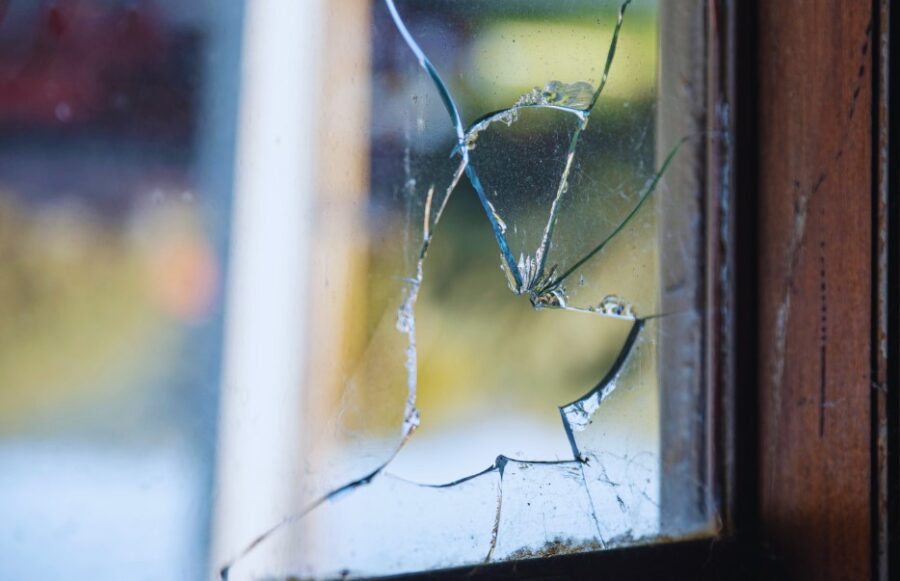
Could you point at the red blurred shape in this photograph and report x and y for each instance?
(84, 62)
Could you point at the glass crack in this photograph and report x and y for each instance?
(574, 524)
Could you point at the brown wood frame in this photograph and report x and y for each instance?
(823, 289)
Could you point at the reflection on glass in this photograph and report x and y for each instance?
(486, 312)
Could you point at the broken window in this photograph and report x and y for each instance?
(503, 313)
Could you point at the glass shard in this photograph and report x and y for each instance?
(544, 510)
(614, 431)
(387, 527)
(522, 165)
(368, 254)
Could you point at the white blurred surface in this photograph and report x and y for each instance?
(88, 512)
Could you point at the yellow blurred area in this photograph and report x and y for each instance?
(90, 308)
(510, 57)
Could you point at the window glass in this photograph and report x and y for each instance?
(501, 318)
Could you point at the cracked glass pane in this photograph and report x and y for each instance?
(503, 353)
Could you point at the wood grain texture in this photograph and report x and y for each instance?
(815, 265)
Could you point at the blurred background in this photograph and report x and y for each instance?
(202, 225)
(116, 148)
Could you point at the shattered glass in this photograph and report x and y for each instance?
(489, 311)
